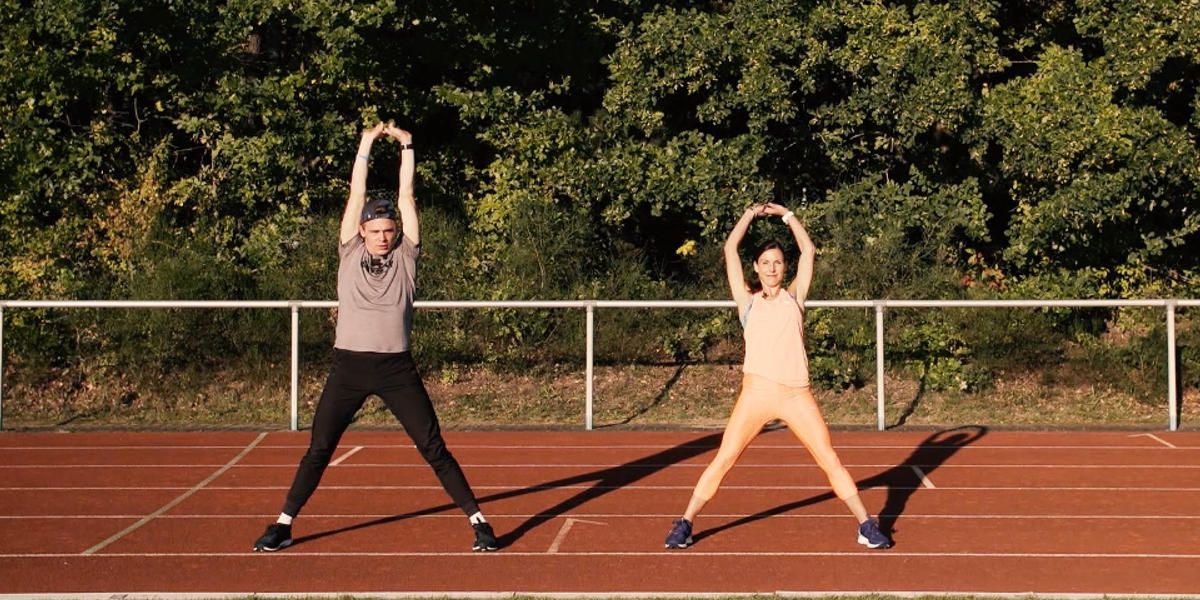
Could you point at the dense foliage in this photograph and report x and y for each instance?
(969, 148)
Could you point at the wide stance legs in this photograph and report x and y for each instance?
(761, 401)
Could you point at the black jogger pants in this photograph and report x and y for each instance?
(394, 378)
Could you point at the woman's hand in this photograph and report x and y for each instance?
(755, 210)
(774, 210)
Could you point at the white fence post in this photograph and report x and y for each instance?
(1, 368)
(1172, 396)
(591, 355)
(879, 364)
(295, 397)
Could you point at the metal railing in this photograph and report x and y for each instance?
(590, 306)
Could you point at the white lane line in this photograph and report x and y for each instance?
(562, 532)
(614, 466)
(837, 516)
(660, 447)
(1157, 439)
(702, 465)
(113, 466)
(95, 488)
(788, 447)
(628, 595)
(510, 595)
(176, 501)
(155, 448)
(636, 488)
(345, 456)
(655, 553)
(925, 481)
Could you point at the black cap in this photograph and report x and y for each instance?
(378, 208)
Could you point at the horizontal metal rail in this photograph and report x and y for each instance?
(590, 306)
(887, 303)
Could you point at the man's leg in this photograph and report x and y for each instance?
(405, 395)
(335, 411)
(340, 400)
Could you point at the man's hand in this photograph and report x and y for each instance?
(373, 133)
(400, 135)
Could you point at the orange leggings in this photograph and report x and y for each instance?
(760, 401)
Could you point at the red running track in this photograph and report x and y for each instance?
(972, 512)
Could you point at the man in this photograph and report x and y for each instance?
(376, 281)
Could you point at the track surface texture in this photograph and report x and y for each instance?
(971, 511)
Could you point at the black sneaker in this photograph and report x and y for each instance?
(870, 536)
(485, 538)
(680, 536)
(277, 537)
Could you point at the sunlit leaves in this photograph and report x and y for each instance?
(1096, 183)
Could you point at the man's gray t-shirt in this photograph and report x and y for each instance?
(375, 297)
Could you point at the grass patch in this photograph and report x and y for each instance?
(683, 395)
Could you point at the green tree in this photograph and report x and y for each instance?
(1105, 192)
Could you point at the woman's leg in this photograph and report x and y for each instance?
(751, 411)
(803, 417)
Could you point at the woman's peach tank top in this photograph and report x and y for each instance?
(774, 334)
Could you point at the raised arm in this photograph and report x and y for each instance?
(358, 184)
(804, 271)
(407, 202)
(733, 261)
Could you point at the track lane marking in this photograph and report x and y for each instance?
(925, 481)
(173, 503)
(562, 532)
(345, 456)
(787, 447)
(753, 488)
(836, 516)
(644, 466)
(1157, 439)
(655, 553)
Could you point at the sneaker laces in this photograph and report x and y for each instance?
(681, 528)
(870, 529)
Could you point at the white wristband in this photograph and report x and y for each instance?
(364, 157)
(788, 215)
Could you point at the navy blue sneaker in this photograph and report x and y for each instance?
(485, 538)
(870, 536)
(277, 537)
(681, 535)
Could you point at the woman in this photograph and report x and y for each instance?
(775, 382)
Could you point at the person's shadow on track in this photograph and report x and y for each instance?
(901, 480)
(604, 481)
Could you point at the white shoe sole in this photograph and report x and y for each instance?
(285, 544)
(864, 541)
